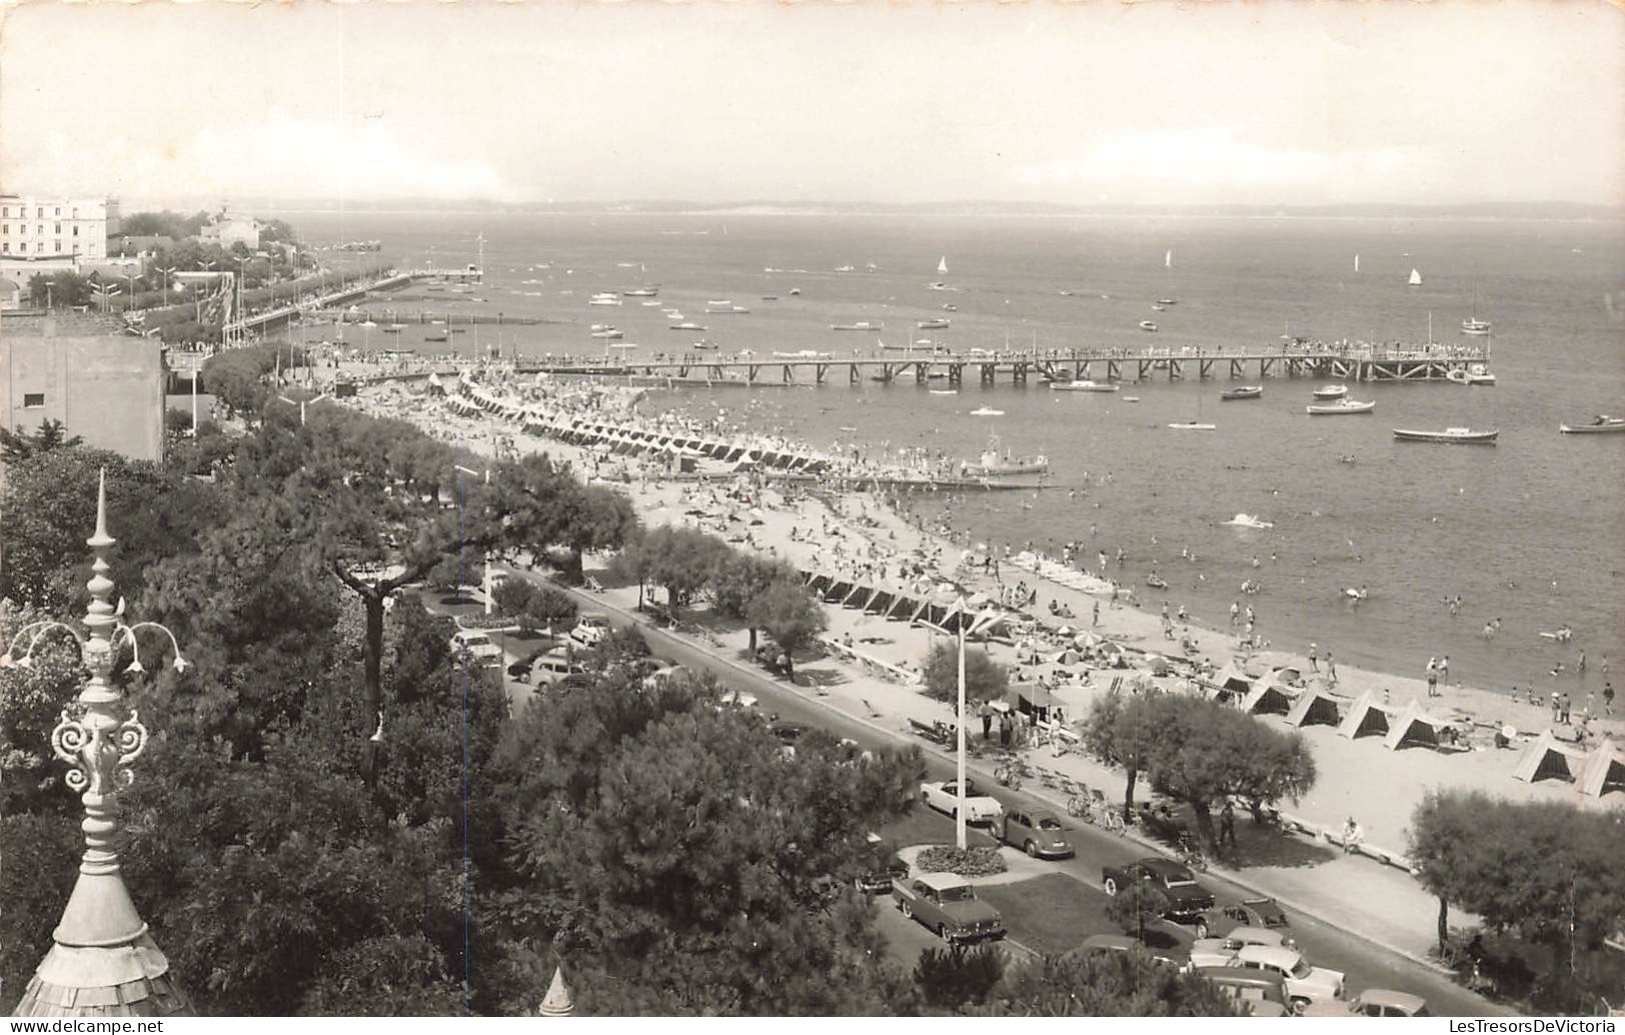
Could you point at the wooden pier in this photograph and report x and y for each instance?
(1115, 365)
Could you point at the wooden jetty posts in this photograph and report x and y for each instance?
(1340, 364)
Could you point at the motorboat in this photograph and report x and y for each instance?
(1147, 325)
(1331, 392)
(1156, 581)
(1249, 521)
(704, 344)
(609, 335)
(1192, 425)
(937, 285)
(1083, 386)
(1341, 406)
(1131, 398)
(1243, 392)
(795, 291)
(1473, 326)
(846, 269)
(1159, 307)
(1166, 302)
(931, 325)
(950, 308)
(986, 411)
(1464, 436)
(1457, 376)
(1600, 425)
(724, 307)
(688, 325)
(861, 325)
(994, 463)
(1479, 376)
(392, 330)
(644, 292)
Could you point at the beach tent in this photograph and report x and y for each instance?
(1029, 697)
(904, 608)
(1314, 705)
(1065, 657)
(1413, 726)
(1604, 770)
(837, 591)
(1546, 758)
(881, 602)
(818, 585)
(1364, 716)
(858, 597)
(806, 576)
(1268, 697)
(1231, 680)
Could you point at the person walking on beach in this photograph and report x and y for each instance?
(1235, 613)
(1331, 669)
(1095, 618)
(1608, 700)
(1563, 710)
(1580, 669)
(1433, 677)
(1590, 697)
(1314, 655)
(1444, 669)
(1557, 706)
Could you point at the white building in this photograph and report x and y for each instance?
(37, 227)
(227, 230)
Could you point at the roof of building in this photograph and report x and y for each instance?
(62, 323)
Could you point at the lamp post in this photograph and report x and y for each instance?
(302, 403)
(486, 581)
(164, 272)
(129, 299)
(964, 629)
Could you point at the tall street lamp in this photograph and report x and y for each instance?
(964, 627)
(302, 403)
(164, 272)
(486, 581)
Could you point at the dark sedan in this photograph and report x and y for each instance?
(1187, 900)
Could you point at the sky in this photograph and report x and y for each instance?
(1269, 102)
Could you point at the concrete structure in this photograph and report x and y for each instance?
(77, 369)
(39, 226)
(12, 293)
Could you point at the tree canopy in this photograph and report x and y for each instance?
(789, 614)
(985, 679)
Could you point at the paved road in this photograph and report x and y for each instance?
(1364, 964)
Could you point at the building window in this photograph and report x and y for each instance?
(58, 247)
(76, 231)
(33, 400)
(59, 228)
(39, 213)
(39, 228)
(6, 211)
(5, 247)
(59, 210)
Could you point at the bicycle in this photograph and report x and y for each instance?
(1191, 856)
(1078, 806)
(1008, 776)
(1112, 820)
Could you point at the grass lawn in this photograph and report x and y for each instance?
(1052, 914)
(923, 826)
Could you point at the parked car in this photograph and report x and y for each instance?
(1221, 952)
(1373, 1002)
(1263, 994)
(736, 699)
(1304, 984)
(947, 904)
(1102, 944)
(943, 795)
(1035, 831)
(555, 666)
(1252, 912)
(521, 669)
(476, 647)
(590, 630)
(1187, 900)
(882, 865)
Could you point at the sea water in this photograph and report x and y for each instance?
(1529, 531)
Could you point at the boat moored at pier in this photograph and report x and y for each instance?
(1600, 425)
(1462, 436)
(1242, 392)
(1340, 407)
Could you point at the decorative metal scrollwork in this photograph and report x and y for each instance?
(68, 741)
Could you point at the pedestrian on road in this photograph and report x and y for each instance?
(1564, 710)
(1314, 654)
(986, 712)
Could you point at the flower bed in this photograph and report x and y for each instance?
(490, 623)
(971, 862)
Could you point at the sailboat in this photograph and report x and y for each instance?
(1168, 260)
(1416, 279)
(942, 271)
(1356, 262)
(1194, 425)
(1473, 325)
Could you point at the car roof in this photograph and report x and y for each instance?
(1164, 867)
(1256, 935)
(1274, 955)
(1388, 997)
(943, 881)
(1238, 974)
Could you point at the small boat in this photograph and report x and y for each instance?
(795, 291)
(646, 292)
(688, 325)
(950, 308)
(986, 411)
(1457, 376)
(1331, 392)
(1341, 406)
(1479, 376)
(1416, 279)
(937, 285)
(1159, 307)
(610, 335)
(861, 325)
(770, 298)
(1082, 386)
(1243, 392)
(1354, 594)
(1166, 302)
(1600, 425)
(704, 343)
(944, 391)
(846, 269)
(931, 325)
(1131, 398)
(1156, 581)
(1249, 521)
(1192, 425)
(1147, 325)
(1465, 436)
(1473, 326)
(724, 307)
(434, 337)
(392, 330)
(803, 354)
(995, 463)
